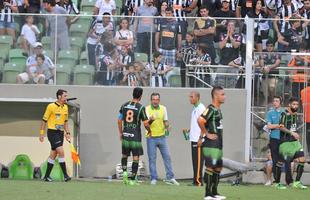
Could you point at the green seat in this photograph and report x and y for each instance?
(142, 57)
(10, 72)
(16, 56)
(69, 57)
(77, 43)
(21, 168)
(3, 57)
(48, 53)
(78, 30)
(56, 173)
(84, 75)
(175, 81)
(46, 42)
(84, 19)
(84, 58)
(87, 5)
(6, 42)
(63, 73)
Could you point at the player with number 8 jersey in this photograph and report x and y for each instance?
(129, 121)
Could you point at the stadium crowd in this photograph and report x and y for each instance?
(210, 47)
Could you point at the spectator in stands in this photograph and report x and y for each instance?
(212, 5)
(292, 38)
(29, 34)
(229, 44)
(142, 73)
(201, 71)
(59, 31)
(33, 6)
(38, 49)
(305, 98)
(188, 52)
(245, 6)
(281, 25)
(158, 71)
(261, 25)
(221, 23)
(7, 25)
(168, 38)
(105, 69)
(70, 8)
(144, 27)
(269, 61)
(125, 59)
(130, 76)
(299, 77)
(306, 25)
(99, 31)
(104, 6)
(204, 30)
(39, 72)
(130, 7)
(124, 36)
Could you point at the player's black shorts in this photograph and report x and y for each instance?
(133, 147)
(213, 157)
(56, 138)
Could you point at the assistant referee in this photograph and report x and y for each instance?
(56, 117)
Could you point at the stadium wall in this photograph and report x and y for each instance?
(100, 148)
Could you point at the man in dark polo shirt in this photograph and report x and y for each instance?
(204, 30)
(168, 38)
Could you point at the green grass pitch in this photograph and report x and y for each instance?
(104, 190)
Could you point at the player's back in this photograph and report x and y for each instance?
(132, 115)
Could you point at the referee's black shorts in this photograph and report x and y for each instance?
(56, 138)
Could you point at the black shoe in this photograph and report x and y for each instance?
(68, 178)
(48, 179)
(25, 54)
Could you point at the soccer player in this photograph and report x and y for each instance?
(130, 116)
(211, 139)
(290, 148)
(56, 117)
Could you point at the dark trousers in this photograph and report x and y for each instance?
(91, 54)
(274, 149)
(144, 43)
(197, 161)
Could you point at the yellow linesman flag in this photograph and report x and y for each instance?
(74, 155)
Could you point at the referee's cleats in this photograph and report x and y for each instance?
(133, 182)
(219, 197)
(280, 186)
(210, 198)
(48, 179)
(67, 179)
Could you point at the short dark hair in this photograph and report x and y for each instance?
(203, 47)
(169, 8)
(51, 2)
(60, 92)
(278, 97)
(215, 89)
(137, 92)
(40, 56)
(155, 94)
(204, 7)
(156, 54)
(292, 99)
(270, 41)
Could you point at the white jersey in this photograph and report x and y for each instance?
(195, 129)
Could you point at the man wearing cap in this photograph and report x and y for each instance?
(58, 25)
(32, 61)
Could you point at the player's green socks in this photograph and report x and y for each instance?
(124, 164)
(208, 181)
(215, 180)
(299, 170)
(134, 168)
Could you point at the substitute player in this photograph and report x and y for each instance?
(211, 139)
(130, 116)
(56, 117)
(290, 148)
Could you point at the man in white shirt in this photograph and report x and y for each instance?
(194, 133)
